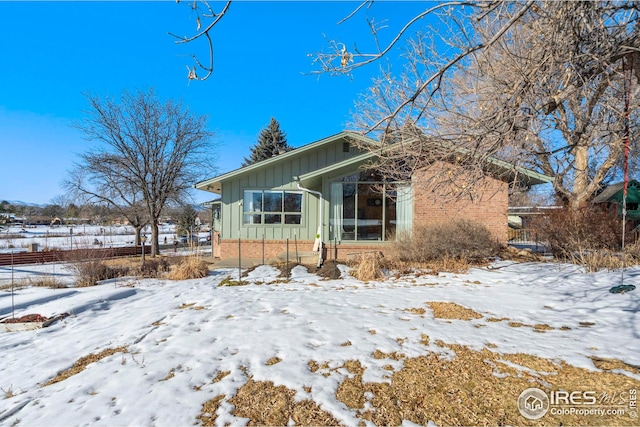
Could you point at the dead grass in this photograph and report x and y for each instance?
(465, 390)
(208, 415)
(8, 393)
(228, 281)
(220, 375)
(451, 310)
(83, 362)
(367, 266)
(471, 388)
(542, 327)
(612, 364)
(273, 361)
(418, 310)
(394, 355)
(268, 405)
(189, 268)
(446, 264)
(351, 391)
(171, 374)
(44, 282)
(191, 306)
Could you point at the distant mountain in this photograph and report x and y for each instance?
(21, 203)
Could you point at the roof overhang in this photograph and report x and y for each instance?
(501, 169)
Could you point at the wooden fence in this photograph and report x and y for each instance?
(20, 258)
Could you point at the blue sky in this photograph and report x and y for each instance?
(53, 52)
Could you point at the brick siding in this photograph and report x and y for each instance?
(486, 204)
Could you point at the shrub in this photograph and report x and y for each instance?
(90, 272)
(91, 267)
(153, 268)
(461, 239)
(570, 233)
(367, 266)
(189, 268)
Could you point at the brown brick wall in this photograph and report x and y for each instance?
(486, 205)
(254, 248)
(273, 248)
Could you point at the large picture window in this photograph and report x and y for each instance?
(272, 207)
(364, 206)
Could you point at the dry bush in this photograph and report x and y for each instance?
(90, 266)
(589, 237)
(153, 268)
(461, 239)
(189, 268)
(567, 231)
(632, 253)
(46, 282)
(367, 266)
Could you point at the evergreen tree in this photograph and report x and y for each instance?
(271, 142)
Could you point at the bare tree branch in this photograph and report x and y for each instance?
(208, 14)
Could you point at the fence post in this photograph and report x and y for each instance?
(287, 262)
(335, 258)
(239, 261)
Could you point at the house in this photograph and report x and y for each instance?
(321, 194)
(611, 199)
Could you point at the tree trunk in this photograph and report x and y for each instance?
(138, 229)
(581, 181)
(155, 243)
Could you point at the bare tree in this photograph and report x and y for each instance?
(151, 153)
(98, 179)
(546, 85)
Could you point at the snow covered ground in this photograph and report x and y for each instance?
(180, 335)
(17, 239)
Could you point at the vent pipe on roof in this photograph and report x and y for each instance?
(319, 235)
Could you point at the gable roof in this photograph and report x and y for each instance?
(506, 169)
(613, 192)
(215, 184)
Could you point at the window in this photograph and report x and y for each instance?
(366, 206)
(272, 207)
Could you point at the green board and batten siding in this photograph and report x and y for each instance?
(278, 173)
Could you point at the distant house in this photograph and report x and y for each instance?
(611, 199)
(321, 193)
(37, 220)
